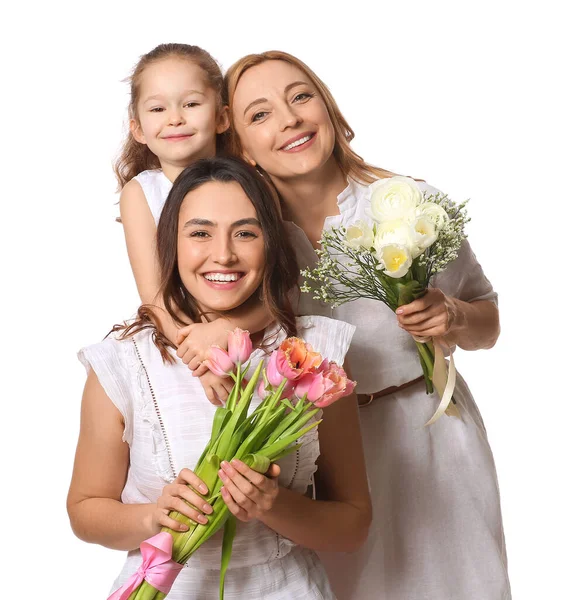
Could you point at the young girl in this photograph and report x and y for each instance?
(144, 419)
(176, 116)
(437, 530)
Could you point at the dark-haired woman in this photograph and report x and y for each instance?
(144, 420)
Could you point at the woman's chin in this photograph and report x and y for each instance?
(225, 305)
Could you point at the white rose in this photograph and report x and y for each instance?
(436, 213)
(394, 198)
(359, 235)
(425, 233)
(395, 259)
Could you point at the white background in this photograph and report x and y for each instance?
(481, 100)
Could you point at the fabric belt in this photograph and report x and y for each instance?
(367, 399)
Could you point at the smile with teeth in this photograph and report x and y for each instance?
(299, 142)
(222, 277)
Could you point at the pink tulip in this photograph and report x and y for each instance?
(240, 346)
(296, 358)
(312, 385)
(333, 385)
(219, 361)
(275, 378)
(273, 374)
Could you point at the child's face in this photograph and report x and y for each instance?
(221, 249)
(177, 113)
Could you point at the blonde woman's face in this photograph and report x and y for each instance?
(282, 121)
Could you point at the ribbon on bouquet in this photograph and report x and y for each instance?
(444, 380)
(157, 567)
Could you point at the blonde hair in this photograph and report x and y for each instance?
(350, 163)
(135, 157)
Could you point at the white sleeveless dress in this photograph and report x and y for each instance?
(437, 531)
(168, 422)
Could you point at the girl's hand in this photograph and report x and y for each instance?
(248, 494)
(175, 497)
(433, 315)
(194, 341)
(216, 388)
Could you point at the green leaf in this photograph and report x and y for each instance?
(274, 449)
(288, 450)
(257, 437)
(221, 418)
(208, 470)
(257, 462)
(239, 413)
(288, 421)
(227, 542)
(409, 291)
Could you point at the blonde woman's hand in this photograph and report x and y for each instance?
(247, 493)
(433, 315)
(180, 495)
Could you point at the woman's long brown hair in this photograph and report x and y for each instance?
(281, 272)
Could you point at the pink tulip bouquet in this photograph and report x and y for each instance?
(294, 386)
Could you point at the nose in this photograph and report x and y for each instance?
(175, 117)
(288, 118)
(223, 250)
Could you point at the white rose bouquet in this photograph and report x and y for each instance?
(409, 238)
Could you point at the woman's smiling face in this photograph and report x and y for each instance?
(282, 121)
(221, 250)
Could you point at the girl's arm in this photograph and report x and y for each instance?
(340, 519)
(101, 463)
(139, 228)
(194, 340)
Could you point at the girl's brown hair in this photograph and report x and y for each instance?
(281, 272)
(135, 157)
(350, 163)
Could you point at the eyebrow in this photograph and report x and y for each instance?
(260, 100)
(161, 97)
(207, 223)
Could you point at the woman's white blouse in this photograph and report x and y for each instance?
(382, 354)
(168, 422)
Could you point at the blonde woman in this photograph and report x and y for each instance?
(437, 531)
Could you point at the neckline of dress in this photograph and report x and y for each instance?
(345, 199)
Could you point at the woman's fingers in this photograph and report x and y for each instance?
(262, 482)
(165, 521)
(274, 471)
(432, 327)
(239, 512)
(189, 477)
(243, 491)
(251, 491)
(423, 315)
(177, 504)
(180, 496)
